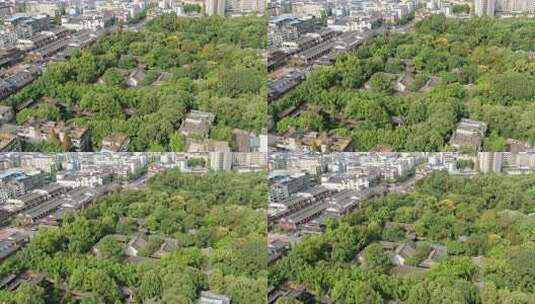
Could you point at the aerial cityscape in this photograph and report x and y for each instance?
(132, 227)
(132, 76)
(400, 227)
(400, 76)
(267, 151)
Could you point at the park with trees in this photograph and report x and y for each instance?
(443, 70)
(210, 64)
(217, 225)
(485, 224)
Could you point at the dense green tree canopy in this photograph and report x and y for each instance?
(217, 220)
(211, 64)
(482, 69)
(485, 223)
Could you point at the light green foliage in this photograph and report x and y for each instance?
(484, 73)
(212, 63)
(220, 213)
(489, 212)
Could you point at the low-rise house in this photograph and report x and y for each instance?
(320, 141)
(119, 238)
(304, 215)
(21, 78)
(435, 255)
(316, 52)
(208, 297)
(13, 281)
(242, 139)
(134, 246)
(516, 146)
(9, 143)
(277, 88)
(10, 56)
(11, 240)
(163, 77)
(404, 82)
(5, 89)
(6, 114)
(8, 281)
(115, 142)
(469, 134)
(167, 246)
(136, 77)
(80, 137)
(73, 200)
(32, 215)
(35, 131)
(398, 121)
(50, 49)
(35, 198)
(430, 83)
(410, 232)
(276, 249)
(197, 123)
(403, 252)
(277, 59)
(343, 202)
(405, 270)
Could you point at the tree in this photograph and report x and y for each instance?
(460, 8)
(67, 143)
(189, 8)
(177, 142)
(113, 77)
(287, 300)
(382, 83)
(192, 56)
(150, 286)
(375, 259)
(29, 294)
(418, 294)
(355, 292)
(494, 143)
(109, 249)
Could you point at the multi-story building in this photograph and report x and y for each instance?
(214, 7)
(6, 10)
(221, 161)
(484, 7)
(91, 179)
(281, 187)
(490, 162)
(50, 8)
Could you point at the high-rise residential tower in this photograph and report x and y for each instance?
(485, 7)
(214, 7)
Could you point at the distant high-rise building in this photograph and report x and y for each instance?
(529, 6)
(490, 162)
(221, 161)
(249, 6)
(485, 7)
(214, 7)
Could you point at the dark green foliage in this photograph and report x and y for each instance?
(221, 213)
(212, 64)
(483, 221)
(483, 71)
